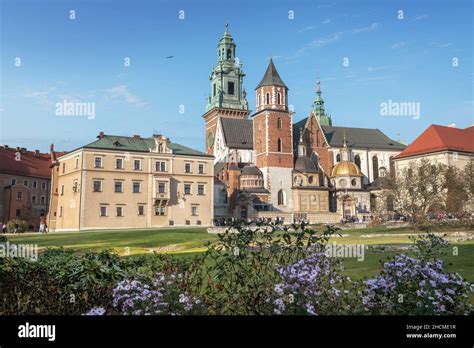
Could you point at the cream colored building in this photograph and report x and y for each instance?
(449, 146)
(133, 182)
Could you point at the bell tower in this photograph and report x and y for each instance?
(273, 137)
(228, 97)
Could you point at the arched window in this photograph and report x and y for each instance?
(392, 166)
(357, 160)
(375, 166)
(280, 145)
(279, 123)
(314, 157)
(268, 98)
(229, 53)
(281, 197)
(338, 157)
(279, 98)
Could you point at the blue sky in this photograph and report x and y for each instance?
(405, 60)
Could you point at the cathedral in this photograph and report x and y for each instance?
(266, 165)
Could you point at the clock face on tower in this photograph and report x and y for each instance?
(210, 139)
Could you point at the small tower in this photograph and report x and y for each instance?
(318, 108)
(228, 96)
(273, 137)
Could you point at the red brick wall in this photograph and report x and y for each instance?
(272, 158)
(313, 136)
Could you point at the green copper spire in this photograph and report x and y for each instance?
(227, 77)
(318, 108)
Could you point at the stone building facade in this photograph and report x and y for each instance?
(133, 182)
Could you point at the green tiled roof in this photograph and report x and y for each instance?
(138, 144)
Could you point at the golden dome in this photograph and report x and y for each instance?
(346, 168)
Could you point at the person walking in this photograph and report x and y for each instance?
(4, 228)
(15, 228)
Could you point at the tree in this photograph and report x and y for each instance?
(419, 190)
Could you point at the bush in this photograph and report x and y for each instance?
(22, 226)
(62, 282)
(408, 286)
(237, 275)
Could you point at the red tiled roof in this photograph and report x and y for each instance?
(31, 164)
(440, 138)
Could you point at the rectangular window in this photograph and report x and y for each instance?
(33, 199)
(187, 189)
(103, 211)
(62, 190)
(13, 182)
(43, 186)
(136, 187)
(161, 187)
(60, 211)
(201, 168)
(201, 189)
(194, 210)
(35, 184)
(18, 212)
(97, 186)
(230, 88)
(137, 164)
(43, 200)
(187, 167)
(119, 211)
(160, 166)
(119, 163)
(160, 211)
(74, 186)
(25, 183)
(98, 162)
(141, 210)
(214, 89)
(118, 186)
(64, 168)
(77, 163)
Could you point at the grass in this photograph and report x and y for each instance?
(187, 242)
(123, 242)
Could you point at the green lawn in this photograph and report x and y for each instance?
(181, 240)
(186, 242)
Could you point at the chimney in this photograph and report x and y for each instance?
(101, 135)
(136, 136)
(6, 147)
(452, 125)
(37, 152)
(17, 148)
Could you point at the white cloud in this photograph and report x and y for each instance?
(398, 45)
(122, 93)
(376, 68)
(41, 97)
(327, 21)
(372, 27)
(323, 41)
(420, 17)
(442, 44)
